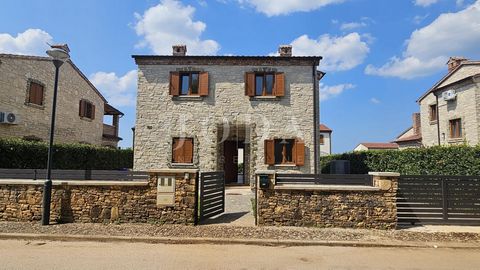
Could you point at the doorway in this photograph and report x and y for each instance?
(234, 161)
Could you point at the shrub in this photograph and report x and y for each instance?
(437, 160)
(21, 154)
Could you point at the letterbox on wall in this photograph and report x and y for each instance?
(166, 190)
(264, 181)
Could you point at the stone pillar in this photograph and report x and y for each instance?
(262, 195)
(387, 181)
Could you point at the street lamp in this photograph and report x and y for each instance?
(59, 54)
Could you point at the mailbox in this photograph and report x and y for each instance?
(165, 190)
(264, 181)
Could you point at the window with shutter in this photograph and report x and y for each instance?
(86, 109)
(264, 84)
(285, 152)
(203, 84)
(250, 84)
(35, 93)
(269, 152)
(322, 139)
(279, 84)
(456, 128)
(189, 83)
(182, 150)
(299, 153)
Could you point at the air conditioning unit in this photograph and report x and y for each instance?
(449, 95)
(8, 118)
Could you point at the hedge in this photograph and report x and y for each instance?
(437, 160)
(21, 154)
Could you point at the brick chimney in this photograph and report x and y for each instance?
(285, 50)
(417, 126)
(454, 62)
(179, 50)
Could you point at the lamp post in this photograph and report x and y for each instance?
(59, 54)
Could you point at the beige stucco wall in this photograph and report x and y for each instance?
(14, 75)
(160, 117)
(325, 149)
(465, 106)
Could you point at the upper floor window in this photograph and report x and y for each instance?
(456, 128)
(35, 93)
(189, 83)
(322, 139)
(433, 112)
(285, 152)
(182, 150)
(87, 109)
(265, 84)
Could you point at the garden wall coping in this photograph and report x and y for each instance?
(73, 182)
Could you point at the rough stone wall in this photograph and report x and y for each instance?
(465, 106)
(161, 116)
(313, 208)
(15, 74)
(98, 204)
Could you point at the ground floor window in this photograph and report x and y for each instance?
(182, 150)
(285, 152)
(456, 128)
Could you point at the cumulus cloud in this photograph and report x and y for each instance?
(424, 3)
(275, 8)
(375, 100)
(327, 92)
(119, 91)
(339, 52)
(170, 22)
(30, 42)
(428, 49)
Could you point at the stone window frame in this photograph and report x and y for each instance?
(462, 130)
(27, 94)
(195, 162)
(432, 121)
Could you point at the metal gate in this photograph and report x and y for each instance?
(212, 194)
(430, 199)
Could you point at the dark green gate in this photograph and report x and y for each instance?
(212, 194)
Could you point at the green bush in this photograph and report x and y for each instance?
(437, 160)
(21, 154)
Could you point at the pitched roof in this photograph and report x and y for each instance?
(375, 145)
(43, 58)
(448, 75)
(411, 138)
(324, 128)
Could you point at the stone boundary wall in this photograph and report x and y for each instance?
(331, 205)
(101, 201)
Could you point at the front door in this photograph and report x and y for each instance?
(230, 154)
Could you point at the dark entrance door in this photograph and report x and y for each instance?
(230, 154)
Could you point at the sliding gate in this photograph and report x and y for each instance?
(212, 194)
(430, 199)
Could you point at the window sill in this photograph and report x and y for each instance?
(286, 165)
(265, 98)
(433, 122)
(455, 140)
(36, 106)
(86, 119)
(182, 165)
(188, 98)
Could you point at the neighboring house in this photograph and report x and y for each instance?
(198, 111)
(412, 137)
(26, 91)
(325, 140)
(450, 110)
(376, 146)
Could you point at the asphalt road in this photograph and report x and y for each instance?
(89, 255)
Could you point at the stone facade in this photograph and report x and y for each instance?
(16, 73)
(331, 206)
(226, 113)
(465, 106)
(98, 202)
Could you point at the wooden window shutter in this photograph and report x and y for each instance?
(188, 150)
(177, 150)
(270, 152)
(250, 84)
(39, 95)
(32, 93)
(299, 153)
(203, 84)
(279, 84)
(81, 110)
(93, 112)
(174, 83)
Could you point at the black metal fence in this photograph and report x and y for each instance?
(324, 179)
(40, 174)
(430, 199)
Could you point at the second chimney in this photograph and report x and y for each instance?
(179, 50)
(454, 62)
(417, 126)
(285, 50)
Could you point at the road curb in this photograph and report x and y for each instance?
(226, 241)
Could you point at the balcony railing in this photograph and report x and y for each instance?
(109, 130)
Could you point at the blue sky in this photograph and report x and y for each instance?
(380, 56)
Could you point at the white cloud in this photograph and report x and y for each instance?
(327, 92)
(419, 18)
(424, 3)
(119, 91)
(375, 100)
(352, 25)
(339, 52)
(169, 23)
(275, 8)
(428, 49)
(30, 42)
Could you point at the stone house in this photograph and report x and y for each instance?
(450, 109)
(412, 136)
(198, 111)
(325, 140)
(26, 91)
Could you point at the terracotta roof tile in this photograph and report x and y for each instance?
(380, 145)
(325, 128)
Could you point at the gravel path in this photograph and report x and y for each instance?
(222, 231)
